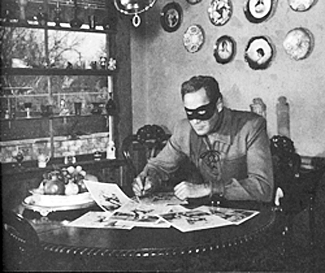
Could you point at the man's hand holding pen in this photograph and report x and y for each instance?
(142, 185)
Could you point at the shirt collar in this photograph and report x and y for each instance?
(223, 133)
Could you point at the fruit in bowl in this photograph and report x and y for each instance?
(65, 181)
(54, 187)
(63, 187)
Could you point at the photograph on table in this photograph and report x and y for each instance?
(195, 219)
(99, 219)
(138, 218)
(108, 196)
(236, 216)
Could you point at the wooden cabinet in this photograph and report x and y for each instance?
(56, 77)
(47, 68)
(18, 180)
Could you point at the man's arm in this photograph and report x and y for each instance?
(167, 162)
(259, 184)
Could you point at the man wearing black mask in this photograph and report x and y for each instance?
(229, 149)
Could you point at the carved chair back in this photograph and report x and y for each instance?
(286, 165)
(145, 144)
(21, 246)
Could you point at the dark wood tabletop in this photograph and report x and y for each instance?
(57, 237)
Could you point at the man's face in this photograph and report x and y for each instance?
(201, 114)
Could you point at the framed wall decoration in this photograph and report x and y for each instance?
(301, 5)
(171, 16)
(259, 52)
(193, 38)
(258, 11)
(220, 11)
(133, 7)
(193, 2)
(224, 49)
(298, 43)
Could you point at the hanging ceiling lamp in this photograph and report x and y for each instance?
(134, 7)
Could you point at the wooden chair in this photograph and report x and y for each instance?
(286, 167)
(21, 247)
(295, 188)
(145, 144)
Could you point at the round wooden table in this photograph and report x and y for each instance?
(100, 248)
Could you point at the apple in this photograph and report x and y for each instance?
(71, 188)
(71, 169)
(78, 169)
(54, 187)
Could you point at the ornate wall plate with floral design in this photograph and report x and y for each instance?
(224, 49)
(257, 11)
(171, 16)
(299, 43)
(220, 11)
(301, 5)
(193, 2)
(259, 52)
(193, 38)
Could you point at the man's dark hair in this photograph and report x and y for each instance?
(209, 83)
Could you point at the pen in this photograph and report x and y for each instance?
(138, 199)
(146, 188)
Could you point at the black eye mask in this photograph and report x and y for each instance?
(203, 112)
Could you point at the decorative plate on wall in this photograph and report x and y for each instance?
(259, 52)
(171, 17)
(220, 11)
(257, 11)
(224, 49)
(299, 43)
(193, 2)
(301, 5)
(193, 38)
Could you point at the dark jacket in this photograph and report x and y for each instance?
(236, 160)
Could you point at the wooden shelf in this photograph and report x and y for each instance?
(65, 27)
(72, 93)
(56, 72)
(53, 117)
(86, 161)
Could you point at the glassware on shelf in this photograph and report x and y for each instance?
(77, 108)
(111, 107)
(97, 110)
(22, 10)
(7, 114)
(13, 112)
(7, 16)
(28, 106)
(46, 110)
(76, 22)
(111, 64)
(57, 15)
(97, 155)
(64, 111)
(109, 23)
(41, 17)
(92, 21)
(6, 12)
(103, 62)
(19, 158)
